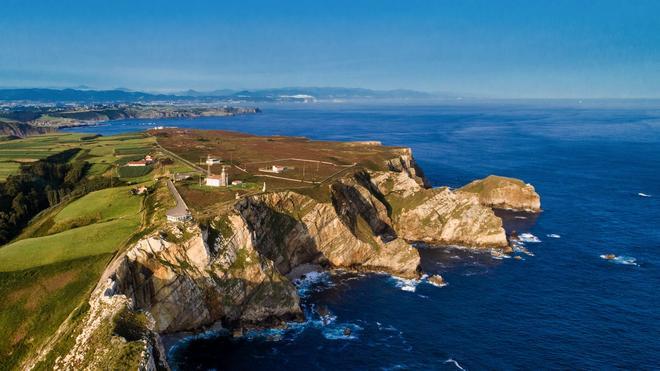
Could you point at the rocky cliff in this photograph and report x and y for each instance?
(20, 130)
(225, 280)
(234, 269)
(439, 216)
(505, 193)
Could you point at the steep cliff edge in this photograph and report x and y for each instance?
(230, 269)
(293, 229)
(21, 130)
(439, 216)
(505, 193)
(188, 284)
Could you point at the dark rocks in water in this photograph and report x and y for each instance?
(347, 331)
(324, 313)
(437, 280)
(237, 332)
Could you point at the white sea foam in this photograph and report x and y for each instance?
(625, 260)
(269, 334)
(405, 284)
(640, 194)
(528, 237)
(552, 235)
(312, 281)
(337, 332)
(498, 254)
(520, 217)
(518, 246)
(455, 363)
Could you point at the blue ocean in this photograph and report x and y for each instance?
(560, 306)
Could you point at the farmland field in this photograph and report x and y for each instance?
(101, 152)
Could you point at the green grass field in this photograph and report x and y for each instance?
(43, 279)
(105, 204)
(50, 269)
(94, 239)
(36, 301)
(134, 171)
(101, 151)
(96, 223)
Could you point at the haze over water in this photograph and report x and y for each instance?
(563, 308)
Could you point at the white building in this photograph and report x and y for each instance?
(278, 169)
(212, 161)
(221, 180)
(213, 181)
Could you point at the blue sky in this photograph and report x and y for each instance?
(488, 48)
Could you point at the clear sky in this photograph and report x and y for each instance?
(527, 48)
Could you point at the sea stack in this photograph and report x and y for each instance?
(505, 193)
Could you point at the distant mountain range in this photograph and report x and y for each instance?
(293, 94)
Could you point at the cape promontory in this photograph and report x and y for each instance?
(505, 193)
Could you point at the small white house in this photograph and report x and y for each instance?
(212, 161)
(213, 181)
(236, 182)
(278, 169)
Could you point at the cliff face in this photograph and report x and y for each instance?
(226, 281)
(232, 270)
(292, 229)
(20, 130)
(505, 193)
(439, 216)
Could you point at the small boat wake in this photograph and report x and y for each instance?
(640, 194)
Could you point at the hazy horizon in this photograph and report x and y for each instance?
(508, 49)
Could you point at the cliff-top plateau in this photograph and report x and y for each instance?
(224, 222)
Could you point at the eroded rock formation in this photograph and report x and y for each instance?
(505, 193)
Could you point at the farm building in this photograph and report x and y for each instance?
(137, 163)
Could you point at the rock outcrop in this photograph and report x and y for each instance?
(439, 216)
(20, 130)
(505, 193)
(293, 229)
(232, 270)
(226, 282)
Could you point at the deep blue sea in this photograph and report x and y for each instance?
(562, 308)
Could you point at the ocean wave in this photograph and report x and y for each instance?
(625, 260)
(640, 194)
(405, 284)
(269, 334)
(341, 331)
(553, 235)
(497, 254)
(313, 282)
(455, 363)
(528, 237)
(520, 247)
